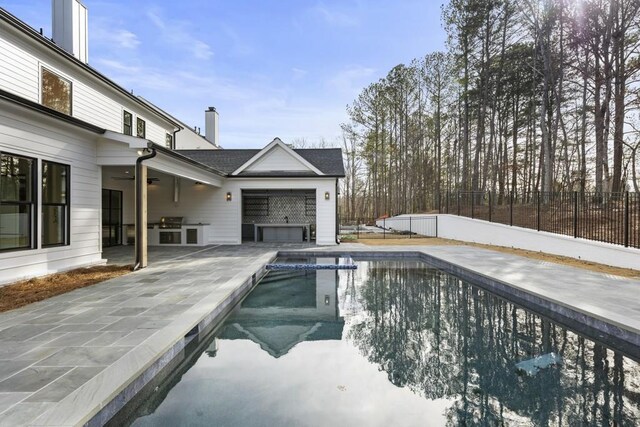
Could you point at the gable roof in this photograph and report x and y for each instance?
(278, 336)
(328, 160)
(274, 145)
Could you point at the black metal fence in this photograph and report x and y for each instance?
(400, 227)
(604, 217)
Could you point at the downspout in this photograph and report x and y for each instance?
(174, 137)
(337, 216)
(139, 188)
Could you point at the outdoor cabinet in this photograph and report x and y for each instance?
(282, 234)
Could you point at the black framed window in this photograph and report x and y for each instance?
(55, 92)
(168, 141)
(55, 204)
(17, 199)
(127, 120)
(141, 128)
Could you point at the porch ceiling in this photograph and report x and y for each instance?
(115, 149)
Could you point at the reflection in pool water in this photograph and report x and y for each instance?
(392, 343)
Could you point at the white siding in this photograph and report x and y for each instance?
(195, 205)
(208, 205)
(30, 134)
(187, 139)
(95, 107)
(156, 133)
(277, 159)
(18, 71)
(227, 227)
(92, 100)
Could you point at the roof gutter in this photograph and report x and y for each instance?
(34, 106)
(140, 214)
(185, 159)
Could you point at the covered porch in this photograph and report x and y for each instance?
(152, 197)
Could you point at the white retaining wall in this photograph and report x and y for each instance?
(478, 231)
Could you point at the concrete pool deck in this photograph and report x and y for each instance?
(63, 360)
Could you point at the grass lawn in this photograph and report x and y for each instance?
(25, 292)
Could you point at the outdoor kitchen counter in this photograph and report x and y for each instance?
(281, 233)
(188, 234)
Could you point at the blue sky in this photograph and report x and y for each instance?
(284, 68)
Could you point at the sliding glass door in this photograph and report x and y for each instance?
(111, 218)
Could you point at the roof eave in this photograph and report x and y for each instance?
(186, 159)
(34, 106)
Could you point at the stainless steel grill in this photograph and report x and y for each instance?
(171, 222)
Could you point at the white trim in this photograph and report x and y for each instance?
(276, 142)
(133, 141)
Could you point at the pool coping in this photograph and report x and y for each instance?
(213, 308)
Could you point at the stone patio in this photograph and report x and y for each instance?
(63, 359)
(51, 348)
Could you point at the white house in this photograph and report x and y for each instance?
(85, 164)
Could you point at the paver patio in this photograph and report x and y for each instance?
(62, 358)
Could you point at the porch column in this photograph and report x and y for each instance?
(141, 216)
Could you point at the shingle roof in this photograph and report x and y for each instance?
(327, 160)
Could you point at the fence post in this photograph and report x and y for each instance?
(384, 228)
(458, 193)
(473, 202)
(436, 226)
(511, 209)
(627, 228)
(575, 214)
(357, 229)
(410, 227)
(448, 195)
(538, 210)
(489, 206)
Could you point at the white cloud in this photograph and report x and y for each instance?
(351, 80)
(109, 35)
(333, 16)
(118, 66)
(178, 36)
(298, 73)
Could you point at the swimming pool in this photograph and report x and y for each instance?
(391, 343)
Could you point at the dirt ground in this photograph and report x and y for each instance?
(587, 265)
(25, 292)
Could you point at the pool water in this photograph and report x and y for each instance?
(393, 343)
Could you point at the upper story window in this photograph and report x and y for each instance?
(56, 92)
(17, 199)
(127, 121)
(55, 204)
(141, 128)
(168, 141)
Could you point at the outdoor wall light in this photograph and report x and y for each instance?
(327, 300)
(326, 195)
(228, 197)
